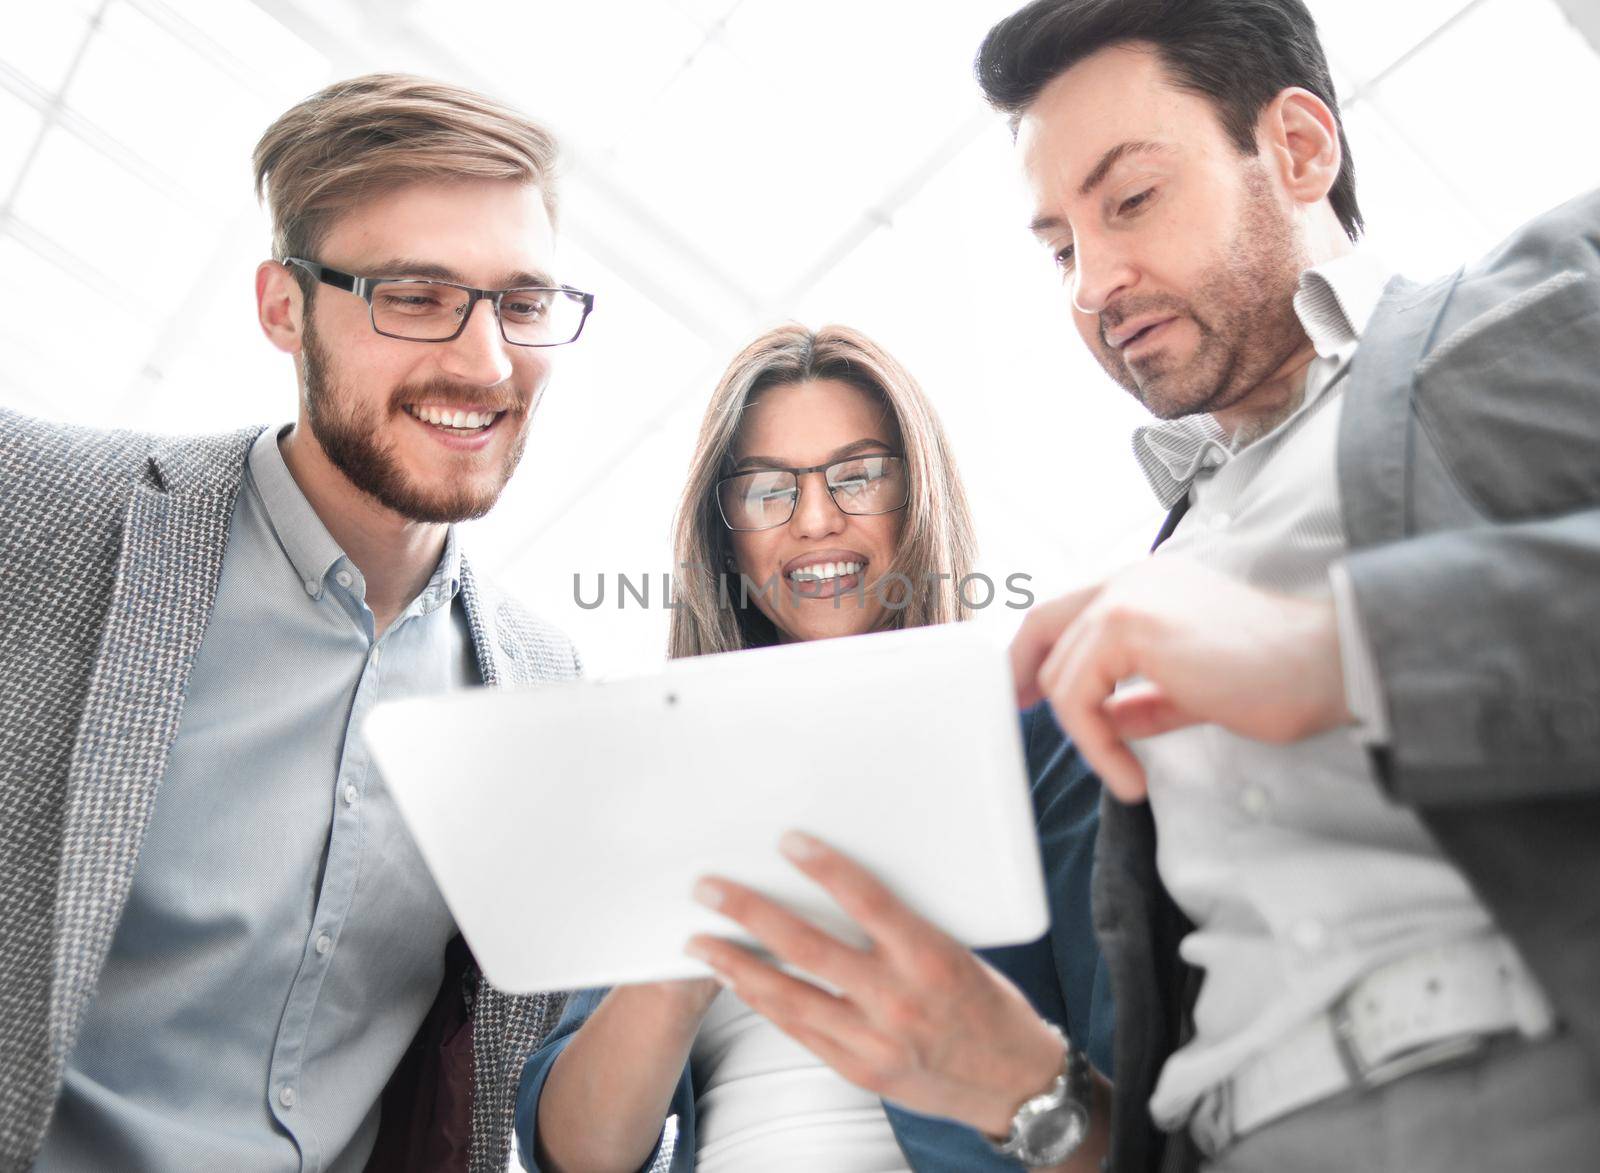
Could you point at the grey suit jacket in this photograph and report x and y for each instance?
(111, 544)
(1469, 472)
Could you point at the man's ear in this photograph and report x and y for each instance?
(1299, 137)
(280, 306)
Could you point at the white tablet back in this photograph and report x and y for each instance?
(566, 824)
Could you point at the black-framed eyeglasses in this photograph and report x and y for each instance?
(419, 309)
(765, 498)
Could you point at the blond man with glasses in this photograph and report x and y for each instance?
(221, 949)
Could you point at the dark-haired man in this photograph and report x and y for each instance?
(1359, 702)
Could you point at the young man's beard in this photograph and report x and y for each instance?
(1244, 311)
(349, 434)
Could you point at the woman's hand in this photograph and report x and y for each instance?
(918, 1018)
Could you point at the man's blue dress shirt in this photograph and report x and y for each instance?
(282, 940)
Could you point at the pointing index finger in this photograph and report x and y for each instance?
(1034, 641)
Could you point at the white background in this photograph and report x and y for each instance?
(729, 164)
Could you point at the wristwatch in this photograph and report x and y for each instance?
(1049, 1128)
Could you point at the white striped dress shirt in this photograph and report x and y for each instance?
(1297, 871)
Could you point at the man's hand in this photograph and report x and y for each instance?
(917, 1017)
(1206, 648)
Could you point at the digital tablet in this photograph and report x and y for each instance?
(566, 824)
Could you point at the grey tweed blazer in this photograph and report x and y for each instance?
(111, 545)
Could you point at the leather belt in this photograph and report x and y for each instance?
(1424, 1009)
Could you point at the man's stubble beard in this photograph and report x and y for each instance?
(348, 434)
(1244, 311)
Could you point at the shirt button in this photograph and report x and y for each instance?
(344, 578)
(1220, 521)
(324, 944)
(286, 1096)
(350, 795)
(311, 587)
(1255, 801)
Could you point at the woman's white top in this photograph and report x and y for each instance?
(768, 1103)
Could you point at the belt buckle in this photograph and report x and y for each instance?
(1364, 1072)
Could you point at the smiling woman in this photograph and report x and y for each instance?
(822, 476)
(822, 500)
(823, 483)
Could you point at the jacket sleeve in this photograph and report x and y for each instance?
(1062, 973)
(1486, 636)
(677, 1157)
(1487, 641)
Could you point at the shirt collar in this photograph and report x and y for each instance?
(300, 531)
(310, 547)
(1336, 299)
(1334, 302)
(445, 584)
(1173, 452)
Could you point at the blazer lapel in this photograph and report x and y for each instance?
(497, 659)
(166, 581)
(1375, 430)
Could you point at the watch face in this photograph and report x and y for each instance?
(1053, 1136)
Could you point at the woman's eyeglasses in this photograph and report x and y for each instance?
(765, 498)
